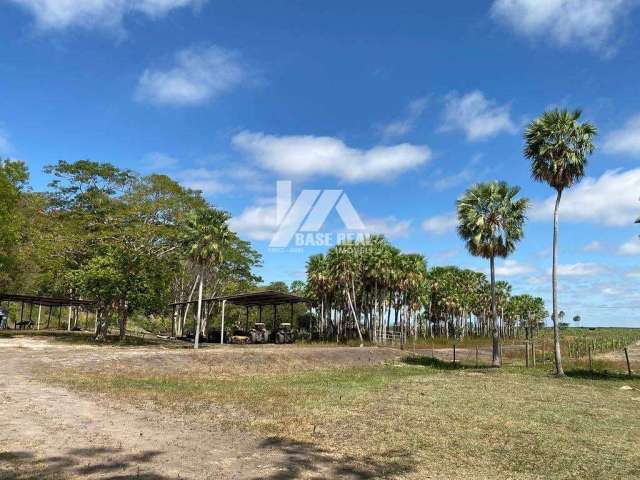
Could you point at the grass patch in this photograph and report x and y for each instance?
(450, 422)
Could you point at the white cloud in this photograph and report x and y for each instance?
(207, 181)
(406, 124)
(634, 273)
(630, 247)
(511, 268)
(625, 140)
(594, 246)
(465, 176)
(584, 23)
(200, 75)
(5, 146)
(306, 155)
(390, 227)
(61, 14)
(440, 224)
(476, 116)
(611, 199)
(159, 161)
(257, 222)
(579, 269)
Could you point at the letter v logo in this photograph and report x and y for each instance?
(312, 205)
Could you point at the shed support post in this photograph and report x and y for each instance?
(69, 319)
(224, 303)
(275, 317)
(39, 313)
(246, 322)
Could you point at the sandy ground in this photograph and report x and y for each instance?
(618, 356)
(49, 432)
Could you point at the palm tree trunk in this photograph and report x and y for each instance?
(196, 341)
(355, 317)
(554, 287)
(495, 359)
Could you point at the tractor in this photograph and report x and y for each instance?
(284, 334)
(259, 333)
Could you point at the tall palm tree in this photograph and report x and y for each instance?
(558, 147)
(490, 221)
(206, 236)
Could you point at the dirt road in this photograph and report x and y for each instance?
(50, 432)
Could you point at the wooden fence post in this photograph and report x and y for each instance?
(590, 362)
(476, 356)
(533, 353)
(626, 354)
(526, 354)
(454, 353)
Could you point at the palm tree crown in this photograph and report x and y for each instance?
(558, 147)
(490, 219)
(206, 234)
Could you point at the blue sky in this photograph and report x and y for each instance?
(400, 104)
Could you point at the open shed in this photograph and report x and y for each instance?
(43, 301)
(259, 299)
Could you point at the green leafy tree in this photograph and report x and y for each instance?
(13, 178)
(490, 221)
(558, 146)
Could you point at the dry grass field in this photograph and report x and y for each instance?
(285, 412)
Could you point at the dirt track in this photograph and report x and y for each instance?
(49, 432)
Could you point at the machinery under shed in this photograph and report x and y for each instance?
(280, 331)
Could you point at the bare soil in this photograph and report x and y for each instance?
(51, 432)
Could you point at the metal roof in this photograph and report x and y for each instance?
(46, 301)
(252, 299)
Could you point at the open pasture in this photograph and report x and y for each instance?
(286, 412)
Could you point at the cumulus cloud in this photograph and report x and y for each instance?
(579, 269)
(390, 227)
(407, 122)
(633, 273)
(200, 75)
(207, 181)
(109, 14)
(626, 140)
(257, 222)
(594, 246)
(582, 23)
(5, 146)
(471, 171)
(478, 117)
(159, 161)
(611, 199)
(512, 268)
(630, 247)
(307, 155)
(440, 224)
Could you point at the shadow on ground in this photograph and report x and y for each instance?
(108, 463)
(306, 460)
(440, 364)
(600, 375)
